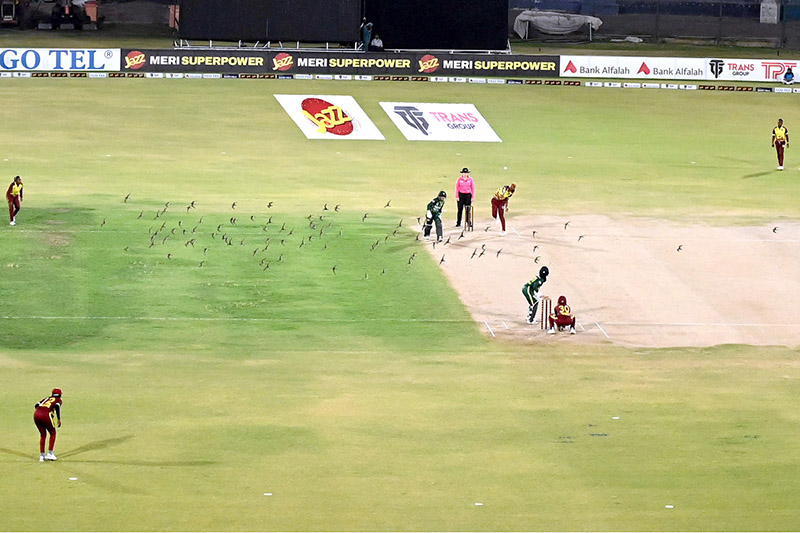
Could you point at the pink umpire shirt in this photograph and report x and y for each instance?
(465, 184)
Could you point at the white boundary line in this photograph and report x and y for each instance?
(235, 319)
(705, 324)
(601, 329)
(489, 328)
(505, 325)
(515, 231)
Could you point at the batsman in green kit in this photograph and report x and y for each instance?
(531, 292)
(433, 215)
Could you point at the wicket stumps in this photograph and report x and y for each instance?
(547, 307)
(468, 218)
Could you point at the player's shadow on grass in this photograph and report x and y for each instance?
(15, 452)
(108, 443)
(90, 447)
(54, 218)
(756, 175)
(96, 445)
(154, 464)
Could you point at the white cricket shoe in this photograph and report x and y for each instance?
(12, 223)
(41, 458)
(780, 167)
(50, 456)
(572, 331)
(529, 320)
(551, 331)
(503, 233)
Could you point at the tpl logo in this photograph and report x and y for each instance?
(775, 69)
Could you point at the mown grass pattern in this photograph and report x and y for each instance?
(363, 400)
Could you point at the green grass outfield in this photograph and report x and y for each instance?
(195, 382)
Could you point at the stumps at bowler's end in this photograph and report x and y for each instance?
(547, 308)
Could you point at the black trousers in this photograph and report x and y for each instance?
(464, 198)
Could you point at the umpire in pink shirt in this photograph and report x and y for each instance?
(465, 192)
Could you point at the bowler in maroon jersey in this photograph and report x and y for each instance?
(47, 418)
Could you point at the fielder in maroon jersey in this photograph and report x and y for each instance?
(14, 198)
(780, 141)
(47, 418)
(562, 317)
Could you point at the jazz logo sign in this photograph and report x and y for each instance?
(331, 117)
(327, 117)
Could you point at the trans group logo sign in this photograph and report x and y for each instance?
(329, 117)
(440, 122)
(749, 69)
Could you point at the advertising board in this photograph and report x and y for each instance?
(440, 122)
(59, 59)
(656, 68)
(748, 69)
(351, 63)
(329, 117)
